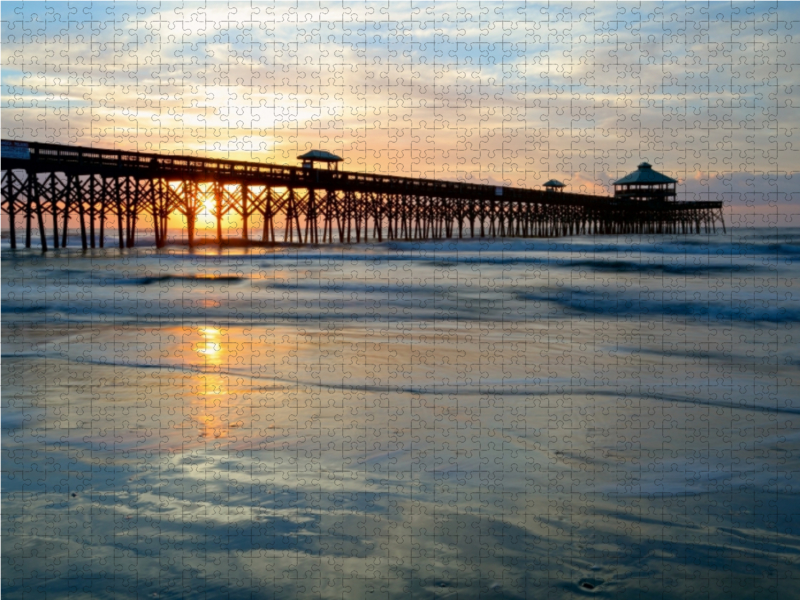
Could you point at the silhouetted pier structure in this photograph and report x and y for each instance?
(50, 183)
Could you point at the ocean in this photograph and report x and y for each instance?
(507, 418)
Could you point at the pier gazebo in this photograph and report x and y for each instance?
(309, 158)
(554, 185)
(645, 184)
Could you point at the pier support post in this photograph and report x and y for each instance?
(65, 221)
(28, 207)
(79, 199)
(245, 211)
(54, 208)
(35, 194)
(11, 199)
(218, 210)
(118, 202)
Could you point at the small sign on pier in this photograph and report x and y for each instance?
(18, 150)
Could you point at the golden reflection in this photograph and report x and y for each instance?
(209, 404)
(213, 392)
(216, 415)
(208, 303)
(218, 386)
(209, 332)
(210, 347)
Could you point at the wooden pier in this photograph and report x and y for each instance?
(51, 184)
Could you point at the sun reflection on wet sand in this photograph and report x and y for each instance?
(225, 370)
(210, 347)
(211, 407)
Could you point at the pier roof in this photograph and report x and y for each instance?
(320, 155)
(554, 183)
(645, 174)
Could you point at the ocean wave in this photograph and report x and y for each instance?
(560, 387)
(621, 266)
(161, 279)
(579, 301)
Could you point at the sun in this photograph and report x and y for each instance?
(206, 191)
(209, 204)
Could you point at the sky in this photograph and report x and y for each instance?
(508, 93)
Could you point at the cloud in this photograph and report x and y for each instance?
(503, 93)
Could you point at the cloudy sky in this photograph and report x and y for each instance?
(498, 92)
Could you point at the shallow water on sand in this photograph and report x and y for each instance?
(607, 416)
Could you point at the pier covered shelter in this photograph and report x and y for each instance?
(645, 184)
(309, 158)
(554, 185)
